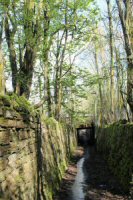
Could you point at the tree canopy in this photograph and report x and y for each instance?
(71, 58)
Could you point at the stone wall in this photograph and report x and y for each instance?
(116, 143)
(33, 154)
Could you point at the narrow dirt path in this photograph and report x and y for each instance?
(65, 192)
(98, 183)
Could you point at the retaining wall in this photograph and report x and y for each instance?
(33, 154)
(116, 143)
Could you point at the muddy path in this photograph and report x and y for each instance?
(88, 178)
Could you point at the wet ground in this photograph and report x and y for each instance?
(88, 178)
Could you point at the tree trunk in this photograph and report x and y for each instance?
(100, 90)
(123, 14)
(2, 80)
(47, 92)
(12, 53)
(59, 67)
(26, 72)
(111, 58)
(120, 99)
(56, 92)
(46, 47)
(31, 40)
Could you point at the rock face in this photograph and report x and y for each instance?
(33, 156)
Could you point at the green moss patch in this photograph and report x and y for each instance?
(116, 143)
(18, 103)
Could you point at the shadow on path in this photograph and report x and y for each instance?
(101, 184)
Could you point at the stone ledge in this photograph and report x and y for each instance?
(12, 123)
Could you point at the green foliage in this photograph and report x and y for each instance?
(51, 122)
(5, 99)
(20, 104)
(39, 29)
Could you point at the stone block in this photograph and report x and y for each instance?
(12, 161)
(8, 114)
(1, 111)
(14, 147)
(32, 133)
(2, 129)
(5, 137)
(32, 148)
(28, 170)
(31, 119)
(33, 125)
(19, 116)
(12, 123)
(2, 177)
(3, 122)
(4, 150)
(3, 163)
(21, 124)
(12, 178)
(23, 144)
(23, 134)
(7, 122)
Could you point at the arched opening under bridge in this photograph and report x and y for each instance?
(86, 135)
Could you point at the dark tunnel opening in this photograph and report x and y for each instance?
(86, 135)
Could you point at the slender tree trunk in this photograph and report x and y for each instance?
(125, 106)
(47, 92)
(31, 27)
(111, 58)
(22, 80)
(47, 44)
(100, 89)
(12, 53)
(59, 68)
(120, 99)
(57, 91)
(2, 80)
(26, 72)
(2, 63)
(118, 83)
(123, 14)
(58, 79)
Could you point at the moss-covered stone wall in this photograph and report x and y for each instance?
(116, 143)
(34, 152)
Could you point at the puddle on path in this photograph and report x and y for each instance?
(78, 192)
